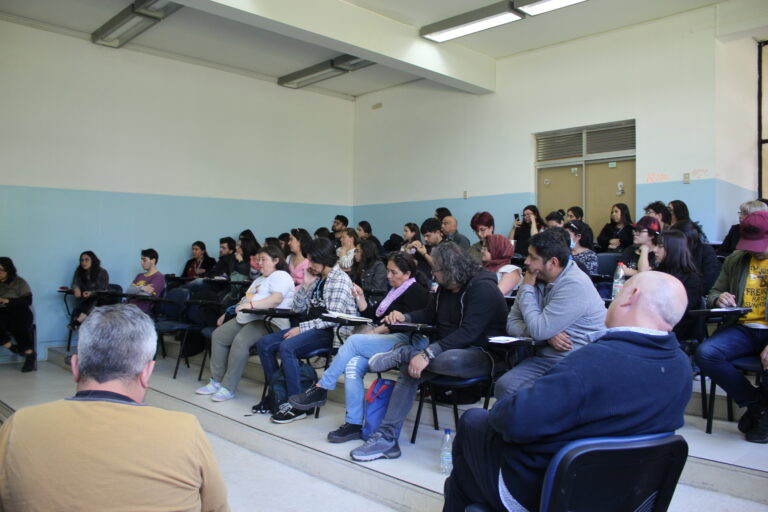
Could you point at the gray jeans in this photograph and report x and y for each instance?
(523, 375)
(466, 363)
(230, 349)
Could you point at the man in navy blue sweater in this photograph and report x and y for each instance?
(632, 380)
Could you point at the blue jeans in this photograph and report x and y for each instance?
(290, 352)
(714, 357)
(352, 359)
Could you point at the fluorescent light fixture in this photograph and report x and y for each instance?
(471, 22)
(310, 75)
(534, 7)
(156, 8)
(132, 21)
(351, 63)
(323, 71)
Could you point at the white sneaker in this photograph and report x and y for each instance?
(209, 389)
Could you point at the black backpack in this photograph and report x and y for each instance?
(277, 393)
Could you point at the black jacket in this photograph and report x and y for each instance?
(468, 317)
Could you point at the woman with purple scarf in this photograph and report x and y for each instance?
(408, 293)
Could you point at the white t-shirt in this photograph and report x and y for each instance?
(278, 281)
(505, 270)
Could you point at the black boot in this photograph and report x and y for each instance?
(30, 362)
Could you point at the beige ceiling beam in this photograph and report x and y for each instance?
(347, 28)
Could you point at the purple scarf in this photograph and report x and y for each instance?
(392, 296)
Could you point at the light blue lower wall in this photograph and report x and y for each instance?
(44, 231)
(390, 218)
(712, 202)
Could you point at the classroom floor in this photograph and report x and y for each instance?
(260, 476)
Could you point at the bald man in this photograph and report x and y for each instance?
(632, 380)
(449, 227)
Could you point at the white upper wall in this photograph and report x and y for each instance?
(429, 142)
(80, 116)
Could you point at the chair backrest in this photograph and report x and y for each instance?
(606, 263)
(635, 473)
(173, 310)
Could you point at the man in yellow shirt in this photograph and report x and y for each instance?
(103, 449)
(742, 282)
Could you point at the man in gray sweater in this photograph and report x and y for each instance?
(556, 303)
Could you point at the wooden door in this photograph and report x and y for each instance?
(608, 183)
(559, 188)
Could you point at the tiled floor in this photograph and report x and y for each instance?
(257, 481)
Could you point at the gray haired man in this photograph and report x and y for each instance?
(103, 447)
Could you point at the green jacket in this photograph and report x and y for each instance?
(732, 279)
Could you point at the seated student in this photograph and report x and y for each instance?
(556, 302)
(248, 235)
(732, 238)
(298, 243)
(324, 233)
(150, 282)
(679, 211)
(659, 211)
(449, 226)
(617, 234)
(364, 232)
(408, 293)
(325, 288)
(340, 223)
(348, 241)
(574, 213)
(703, 255)
(581, 245)
(632, 380)
(16, 316)
(232, 340)
(226, 264)
(284, 237)
(743, 282)
(468, 308)
(200, 263)
(89, 277)
(482, 224)
(441, 213)
(411, 240)
(555, 219)
(368, 272)
(674, 258)
(495, 257)
(433, 236)
(244, 253)
(523, 230)
(640, 256)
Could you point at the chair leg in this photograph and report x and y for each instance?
(730, 407)
(205, 355)
(711, 407)
(69, 341)
(703, 392)
(418, 416)
(488, 394)
(161, 340)
(455, 411)
(434, 408)
(183, 343)
(178, 358)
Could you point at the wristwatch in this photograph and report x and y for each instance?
(429, 354)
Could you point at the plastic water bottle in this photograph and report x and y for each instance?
(446, 454)
(618, 280)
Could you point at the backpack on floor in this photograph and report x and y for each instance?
(277, 393)
(376, 402)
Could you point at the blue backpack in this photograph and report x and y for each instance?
(376, 402)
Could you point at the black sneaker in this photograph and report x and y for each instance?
(747, 421)
(315, 396)
(346, 432)
(30, 363)
(759, 432)
(261, 408)
(287, 414)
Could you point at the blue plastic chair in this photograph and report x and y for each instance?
(170, 318)
(749, 364)
(631, 473)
